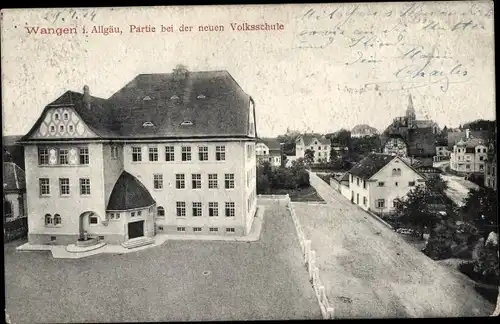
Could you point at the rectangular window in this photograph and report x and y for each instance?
(84, 155)
(169, 153)
(44, 187)
(181, 229)
(63, 156)
(114, 152)
(381, 184)
(132, 214)
(136, 154)
(196, 229)
(380, 203)
(364, 201)
(214, 229)
(63, 186)
(396, 184)
(229, 180)
(93, 220)
(203, 153)
(84, 186)
(197, 209)
(186, 153)
(230, 209)
(364, 184)
(357, 182)
(220, 153)
(212, 181)
(230, 230)
(395, 203)
(153, 154)
(181, 208)
(158, 181)
(213, 209)
(43, 156)
(180, 182)
(196, 181)
(411, 183)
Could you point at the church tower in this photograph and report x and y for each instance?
(410, 112)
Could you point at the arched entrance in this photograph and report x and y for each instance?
(85, 217)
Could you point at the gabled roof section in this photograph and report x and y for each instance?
(13, 177)
(370, 165)
(271, 143)
(129, 193)
(308, 138)
(97, 117)
(223, 112)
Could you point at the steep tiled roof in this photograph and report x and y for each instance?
(309, 137)
(370, 165)
(129, 193)
(194, 104)
(13, 177)
(272, 143)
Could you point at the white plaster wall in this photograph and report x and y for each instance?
(69, 207)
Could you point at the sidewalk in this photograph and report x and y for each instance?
(61, 252)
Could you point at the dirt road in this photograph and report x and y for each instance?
(369, 271)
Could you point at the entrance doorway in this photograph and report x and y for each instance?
(135, 229)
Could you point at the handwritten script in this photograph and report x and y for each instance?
(409, 45)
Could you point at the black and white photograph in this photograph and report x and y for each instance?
(249, 162)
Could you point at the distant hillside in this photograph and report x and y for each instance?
(364, 129)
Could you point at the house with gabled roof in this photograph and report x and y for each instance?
(378, 180)
(170, 153)
(14, 189)
(319, 144)
(268, 150)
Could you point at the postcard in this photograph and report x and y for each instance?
(249, 162)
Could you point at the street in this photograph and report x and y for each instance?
(369, 271)
(458, 187)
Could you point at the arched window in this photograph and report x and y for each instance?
(396, 172)
(48, 219)
(66, 116)
(57, 219)
(160, 211)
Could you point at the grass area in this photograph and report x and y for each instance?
(300, 195)
(177, 281)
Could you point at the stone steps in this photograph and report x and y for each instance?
(137, 242)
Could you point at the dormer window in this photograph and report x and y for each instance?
(187, 123)
(147, 98)
(174, 97)
(201, 96)
(148, 124)
(66, 116)
(56, 116)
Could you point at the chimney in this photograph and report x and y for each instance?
(86, 96)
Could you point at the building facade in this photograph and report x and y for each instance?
(377, 181)
(168, 153)
(268, 150)
(14, 189)
(320, 145)
(469, 156)
(408, 136)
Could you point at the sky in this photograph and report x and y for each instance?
(333, 66)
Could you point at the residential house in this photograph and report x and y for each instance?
(490, 176)
(363, 130)
(319, 144)
(490, 168)
(469, 156)
(167, 153)
(268, 150)
(378, 180)
(455, 135)
(14, 188)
